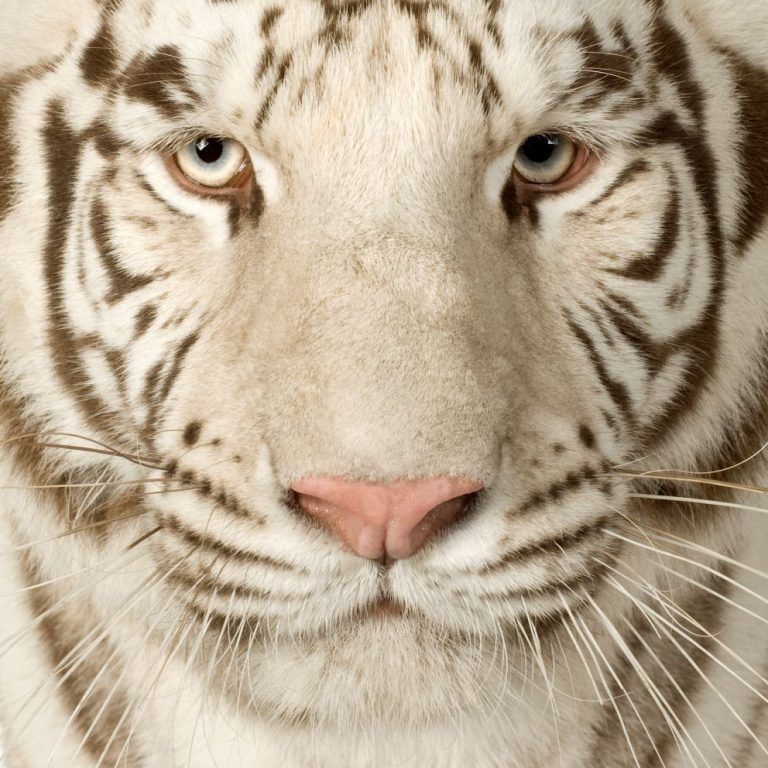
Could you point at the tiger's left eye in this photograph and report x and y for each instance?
(548, 159)
(214, 164)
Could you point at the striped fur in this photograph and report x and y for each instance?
(384, 304)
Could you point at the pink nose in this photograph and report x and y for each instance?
(384, 519)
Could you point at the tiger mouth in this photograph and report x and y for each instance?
(229, 609)
(226, 582)
(383, 607)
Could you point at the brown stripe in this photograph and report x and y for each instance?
(150, 190)
(20, 431)
(654, 355)
(492, 25)
(8, 181)
(178, 363)
(752, 93)
(205, 541)
(160, 80)
(758, 724)
(605, 71)
(269, 18)
(571, 482)
(157, 386)
(482, 77)
(587, 437)
(74, 506)
(491, 93)
(649, 266)
(266, 107)
(609, 748)
(615, 389)
(144, 319)
(99, 60)
(703, 339)
(191, 433)
(204, 586)
(61, 627)
(333, 33)
(63, 147)
(121, 281)
(552, 546)
(627, 176)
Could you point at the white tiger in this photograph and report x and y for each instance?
(383, 383)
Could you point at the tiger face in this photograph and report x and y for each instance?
(281, 259)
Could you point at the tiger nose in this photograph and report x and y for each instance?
(384, 520)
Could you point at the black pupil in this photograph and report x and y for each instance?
(210, 150)
(540, 148)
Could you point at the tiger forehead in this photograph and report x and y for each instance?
(241, 53)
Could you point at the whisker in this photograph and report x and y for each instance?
(72, 532)
(66, 486)
(12, 640)
(135, 458)
(639, 636)
(703, 502)
(658, 475)
(675, 611)
(77, 655)
(103, 452)
(709, 569)
(662, 705)
(590, 642)
(710, 636)
(729, 468)
(81, 658)
(685, 636)
(138, 707)
(690, 545)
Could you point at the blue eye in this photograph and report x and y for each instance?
(545, 158)
(212, 162)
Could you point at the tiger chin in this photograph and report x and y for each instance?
(383, 383)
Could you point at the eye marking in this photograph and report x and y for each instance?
(550, 162)
(213, 166)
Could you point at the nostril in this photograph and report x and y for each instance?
(437, 520)
(313, 506)
(442, 517)
(385, 521)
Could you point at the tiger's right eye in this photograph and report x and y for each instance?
(545, 158)
(212, 165)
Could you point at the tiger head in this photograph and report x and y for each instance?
(374, 300)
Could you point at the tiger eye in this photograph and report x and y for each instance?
(212, 163)
(545, 158)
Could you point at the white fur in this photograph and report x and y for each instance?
(383, 319)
